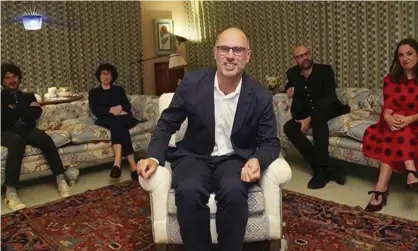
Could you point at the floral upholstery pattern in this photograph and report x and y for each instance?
(53, 115)
(353, 124)
(346, 131)
(142, 127)
(145, 107)
(361, 98)
(60, 138)
(84, 133)
(79, 141)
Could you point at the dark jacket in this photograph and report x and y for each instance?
(101, 100)
(10, 116)
(254, 132)
(318, 92)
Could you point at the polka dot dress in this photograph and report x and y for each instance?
(395, 147)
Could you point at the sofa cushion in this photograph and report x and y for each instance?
(255, 202)
(144, 107)
(353, 124)
(53, 115)
(86, 133)
(81, 148)
(60, 138)
(362, 98)
(142, 127)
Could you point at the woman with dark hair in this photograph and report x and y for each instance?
(112, 109)
(394, 139)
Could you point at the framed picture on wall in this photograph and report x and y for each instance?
(164, 36)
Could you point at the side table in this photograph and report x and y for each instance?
(60, 100)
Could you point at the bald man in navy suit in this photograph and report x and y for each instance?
(231, 137)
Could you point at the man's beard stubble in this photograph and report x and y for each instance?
(308, 64)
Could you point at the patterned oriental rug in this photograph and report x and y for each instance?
(120, 214)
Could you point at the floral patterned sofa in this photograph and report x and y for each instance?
(79, 141)
(346, 131)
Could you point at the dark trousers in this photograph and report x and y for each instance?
(315, 154)
(194, 180)
(16, 140)
(119, 130)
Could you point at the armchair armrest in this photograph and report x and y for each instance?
(281, 103)
(145, 107)
(272, 180)
(158, 187)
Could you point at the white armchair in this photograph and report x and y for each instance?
(264, 202)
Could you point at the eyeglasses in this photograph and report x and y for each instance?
(302, 55)
(237, 50)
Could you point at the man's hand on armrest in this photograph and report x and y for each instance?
(147, 167)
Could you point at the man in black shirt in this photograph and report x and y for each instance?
(19, 111)
(315, 101)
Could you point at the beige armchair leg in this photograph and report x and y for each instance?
(284, 245)
(161, 247)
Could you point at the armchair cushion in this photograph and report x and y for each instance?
(255, 202)
(262, 226)
(257, 229)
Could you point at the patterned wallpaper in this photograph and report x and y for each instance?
(68, 54)
(356, 38)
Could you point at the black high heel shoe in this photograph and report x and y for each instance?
(374, 208)
(413, 185)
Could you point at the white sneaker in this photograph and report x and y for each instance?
(71, 175)
(64, 189)
(13, 202)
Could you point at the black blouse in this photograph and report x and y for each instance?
(101, 100)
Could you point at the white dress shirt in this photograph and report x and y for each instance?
(225, 108)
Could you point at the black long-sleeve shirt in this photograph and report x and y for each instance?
(101, 100)
(21, 111)
(317, 92)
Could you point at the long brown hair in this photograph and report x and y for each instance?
(397, 73)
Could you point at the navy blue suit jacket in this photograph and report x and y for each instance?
(254, 131)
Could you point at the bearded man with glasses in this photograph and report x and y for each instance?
(231, 138)
(312, 87)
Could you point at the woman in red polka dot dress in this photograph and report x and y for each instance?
(394, 139)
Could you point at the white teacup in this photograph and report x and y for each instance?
(52, 90)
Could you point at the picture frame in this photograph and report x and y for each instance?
(164, 36)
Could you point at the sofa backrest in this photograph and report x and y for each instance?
(143, 107)
(361, 98)
(55, 116)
